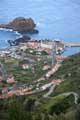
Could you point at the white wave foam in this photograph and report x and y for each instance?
(10, 30)
(38, 23)
(6, 29)
(17, 33)
(1, 28)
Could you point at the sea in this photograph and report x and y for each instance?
(55, 19)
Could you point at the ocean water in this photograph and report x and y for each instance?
(54, 18)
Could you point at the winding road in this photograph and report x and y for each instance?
(76, 96)
(50, 91)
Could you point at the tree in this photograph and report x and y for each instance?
(78, 112)
(17, 112)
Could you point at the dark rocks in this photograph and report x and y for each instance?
(12, 43)
(22, 25)
(23, 39)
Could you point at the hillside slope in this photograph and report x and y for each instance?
(70, 72)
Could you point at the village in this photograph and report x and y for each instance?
(28, 68)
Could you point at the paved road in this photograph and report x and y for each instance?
(73, 93)
(76, 96)
(50, 91)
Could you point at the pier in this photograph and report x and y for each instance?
(72, 44)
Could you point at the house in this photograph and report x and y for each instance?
(46, 67)
(44, 87)
(47, 51)
(33, 44)
(4, 90)
(1, 77)
(11, 79)
(57, 82)
(54, 69)
(25, 66)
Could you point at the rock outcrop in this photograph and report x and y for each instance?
(23, 39)
(22, 25)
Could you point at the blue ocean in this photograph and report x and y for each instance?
(54, 18)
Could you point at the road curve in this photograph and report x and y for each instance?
(76, 96)
(50, 91)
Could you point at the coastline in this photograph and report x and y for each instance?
(68, 51)
(10, 30)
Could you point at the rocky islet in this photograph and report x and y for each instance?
(22, 25)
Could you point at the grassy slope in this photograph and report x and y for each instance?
(70, 72)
